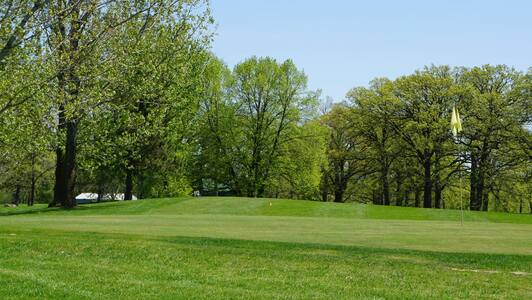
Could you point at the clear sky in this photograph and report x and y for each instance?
(341, 44)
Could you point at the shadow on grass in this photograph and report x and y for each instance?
(273, 249)
(40, 210)
(509, 262)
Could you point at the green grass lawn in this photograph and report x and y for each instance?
(231, 248)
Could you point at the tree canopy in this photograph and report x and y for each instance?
(120, 96)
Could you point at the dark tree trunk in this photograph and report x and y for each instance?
(31, 198)
(399, 197)
(324, 195)
(405, 199)
(480, 191)
(427, 181)
(339, 189)
(128, 194)
(400, 200)
(474, 204)
(338, 195)
(261, 190)
(141, 194)
(65, 169)
(16, 195)
(416, 197)
(251, 193)
(59, 180)
(339, 182)
(69, 31)
(385, 189)
(437, 194)
(70, 165)
(438, 188)
(485, 199)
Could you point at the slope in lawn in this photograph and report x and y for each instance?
(278, 207)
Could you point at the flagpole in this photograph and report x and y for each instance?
(461, 201)
(457, 139)
(456, 127)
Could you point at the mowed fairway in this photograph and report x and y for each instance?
(229, 248)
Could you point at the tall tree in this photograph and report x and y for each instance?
(270, 96)
(345, 151)
(495, 115)
(372, 113)
(422, 121)
(80, 46)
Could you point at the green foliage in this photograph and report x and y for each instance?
(125, 96)
(255, 136)
(409, 152)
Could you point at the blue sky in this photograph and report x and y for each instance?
(341, 44)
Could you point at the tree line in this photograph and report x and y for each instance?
(121, 96)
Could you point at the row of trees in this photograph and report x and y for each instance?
(98, 90)
(392, 141)
(261, 133)
(121, 96)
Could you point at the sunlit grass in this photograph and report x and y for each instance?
(246, 248)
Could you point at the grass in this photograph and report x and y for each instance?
(220, 248)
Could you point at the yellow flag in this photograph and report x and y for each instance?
(459, 125)
(456, 125)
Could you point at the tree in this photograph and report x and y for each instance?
(422, 122)
(82, 37)
(494, 116)
(345, 151)
(373, 112)
(216, 155)
(299, 170)
(155, 93)
(270, 97)
(252, 122)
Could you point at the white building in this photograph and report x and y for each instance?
(84, 198)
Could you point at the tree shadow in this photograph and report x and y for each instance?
(45, 210)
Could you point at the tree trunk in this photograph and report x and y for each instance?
(31, 198)
(128, 193)
(385, 188)
(485, 199)
(474, 204)
(16, 195)
(338, 195)
(339, 189)
(261, 190)
(65, 169)
(68, 31)
(437, 180)
(416, 198)
(339, 185)
(427, 181)
(479, 193)
(437, 194)
(324, 195)
(399, 197)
